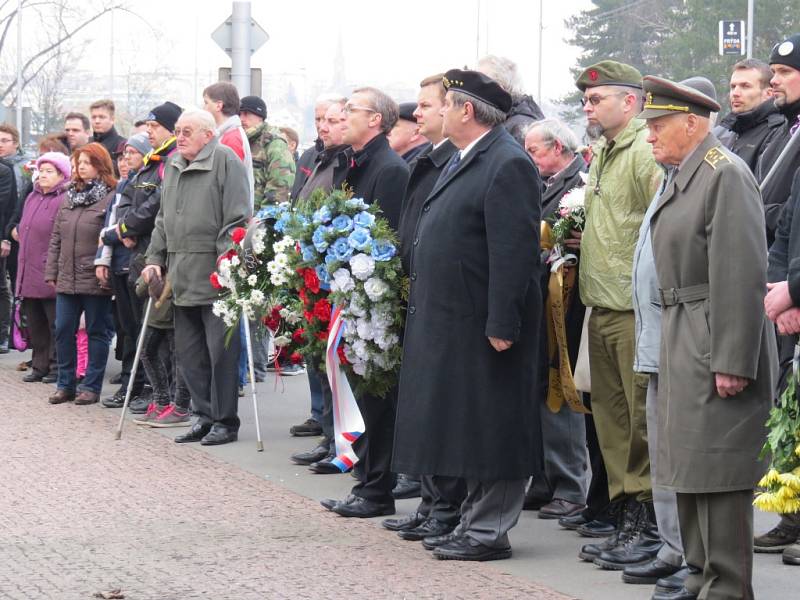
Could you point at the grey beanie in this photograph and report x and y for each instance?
(140, 143)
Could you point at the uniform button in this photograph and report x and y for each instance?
(416, 241)
(413, 277)
(412, 310)
(426, 209)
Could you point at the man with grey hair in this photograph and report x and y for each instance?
(305, 165)
(204, 196)
(377, 174)
(473, 324)
(524, 109)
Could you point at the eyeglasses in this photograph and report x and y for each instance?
(349, 108)
(6, 140)
(185, 132)
(597, 98)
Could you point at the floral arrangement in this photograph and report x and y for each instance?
(287, 336)
(571, 215)
(781, 485)
(352, 252)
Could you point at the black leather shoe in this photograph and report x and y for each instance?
(596, 529)
(465, 548)
(329, 503)
(50, 378)
(195, 434)
(404, 523)
(430, 543)
(362, 508)
(325, 467)
(33, 377)
(218, 435)
(629, 518)
(573, 522)
(115, 401)
(430, 528)
(674, 582)
(681, 594)
(315, 455)
(648, 573)
(560, 508)
(308, 429)
(406, 487)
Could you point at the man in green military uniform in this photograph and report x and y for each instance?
(718, 349)
(622, 180)
(273, 164)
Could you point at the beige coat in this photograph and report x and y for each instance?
(708, 236)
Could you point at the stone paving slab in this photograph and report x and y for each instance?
(82, 513)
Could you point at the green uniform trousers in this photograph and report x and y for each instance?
(717, 533)
(619, 404)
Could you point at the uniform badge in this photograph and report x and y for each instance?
(714, 157)
(786, 48)
(593, 75)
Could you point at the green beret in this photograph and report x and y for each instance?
(664, 97)
(609, 72)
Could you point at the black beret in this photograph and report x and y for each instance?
(253, 104)
(664, 97)
(478, 86)
(787, 52)
(407, 111)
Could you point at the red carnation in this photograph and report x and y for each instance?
(214, 279)
(298, 336)
(238, 234)
(308, 316)
(296, 358)
(322, 310)
(342, 358)
(311, 280)
(272, 323)
(303, 297)
(229, 255)
(322, 335)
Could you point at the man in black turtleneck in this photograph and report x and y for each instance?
(754, 119)
(785, 64)
(101, 114)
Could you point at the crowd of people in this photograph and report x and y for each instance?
(683, 272)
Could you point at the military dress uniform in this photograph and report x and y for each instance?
(711, 261)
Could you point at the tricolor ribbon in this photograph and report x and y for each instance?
(348, 424)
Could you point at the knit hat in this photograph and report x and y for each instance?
(140, 143)
(166, 115)
(787, 52)
(255, 105)
(58, 160)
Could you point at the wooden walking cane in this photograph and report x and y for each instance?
(248, 341)
(135, 367)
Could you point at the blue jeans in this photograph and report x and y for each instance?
(243, 366)
(68, 317)
(315, 387)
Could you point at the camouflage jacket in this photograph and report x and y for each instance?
(273, 165)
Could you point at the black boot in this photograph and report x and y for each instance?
(626, 513)
(642, 546)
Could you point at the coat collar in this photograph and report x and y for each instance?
(438, 156)
(624, 138)
(203, 161)
(372, 147)
(472, 156)
(687, 169)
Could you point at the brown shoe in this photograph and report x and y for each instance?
(86, 397)
(559, 508)
(61, 396)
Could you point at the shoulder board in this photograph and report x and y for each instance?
(715, 156)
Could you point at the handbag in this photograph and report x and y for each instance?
(19, 327)
(581, 376)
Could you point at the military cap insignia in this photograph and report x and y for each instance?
(649, 98)
(593, 75)
(446, 82)
(715, 156)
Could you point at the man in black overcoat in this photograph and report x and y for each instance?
(466, 406)
(377, 175)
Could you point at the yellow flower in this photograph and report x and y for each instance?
(790, 481)
(770, 478)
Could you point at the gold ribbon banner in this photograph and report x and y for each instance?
(560, 290)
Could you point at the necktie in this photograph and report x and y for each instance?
(453, 164)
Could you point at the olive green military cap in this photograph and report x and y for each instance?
(609, 72)
(664, 97)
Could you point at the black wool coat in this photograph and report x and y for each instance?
(378, 174)
(569, 178)
(749, 133)
(464, 409)
(425, 171)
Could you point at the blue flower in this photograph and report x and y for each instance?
(342, 223)
(342, 249)
(322, 215)
(360, 239)
(364, 219)
(270, 211)
(319, 238)
(309, 254)
(383, 250)
(282, 222)
(356, 203)
(330, 257)
(322, 273)
(302, 220)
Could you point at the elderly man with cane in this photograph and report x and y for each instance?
(204, 196)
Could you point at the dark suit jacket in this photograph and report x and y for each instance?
(378, 174)
(425, 170)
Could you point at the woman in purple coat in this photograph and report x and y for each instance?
(33, 233)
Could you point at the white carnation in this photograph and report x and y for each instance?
(253, 279)
(375, 288)
(362, 266)
(364, 329)
(360, 368)
(282, 341)
(342, 282)
(235, 262)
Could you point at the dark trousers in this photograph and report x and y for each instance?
(321, 399)
(597, 499)
(6, 302)
(97, 311)
(209, 368)
(40, 314)
(158, 370)
(374, 447)
(442, 497)
(717, 534)
(129, 315)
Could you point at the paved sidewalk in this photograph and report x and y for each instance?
(82, 513)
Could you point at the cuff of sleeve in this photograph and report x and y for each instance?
(793, 279)
(503, 331)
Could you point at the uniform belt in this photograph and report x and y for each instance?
(692, 293)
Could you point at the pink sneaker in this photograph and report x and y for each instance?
(172, 416)
(150, 415)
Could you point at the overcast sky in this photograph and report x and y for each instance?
(383, 42)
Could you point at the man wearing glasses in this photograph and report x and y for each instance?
(622, 181)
